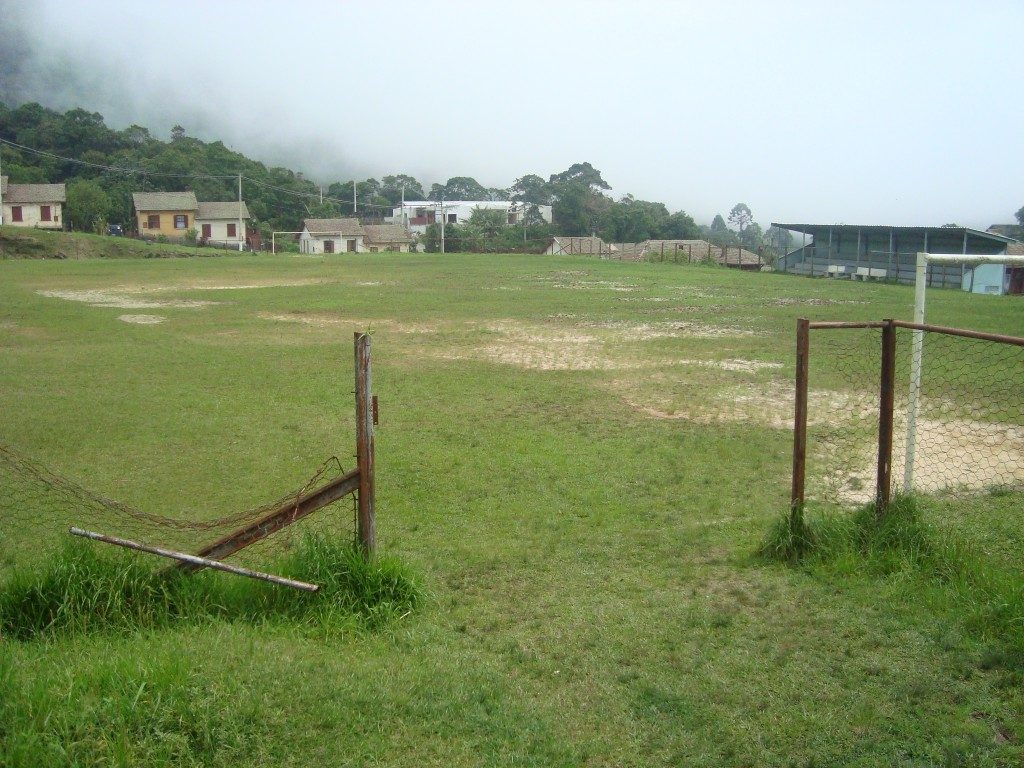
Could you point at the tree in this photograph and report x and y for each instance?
(87, 204)
(391, 188)
(751, 237)
(719, 233)
(1020, 216)
(531, 188)
(486, 223)
(136, 134)
(177, 133)
(679, 226)
(740, 216)
(580, 173)
(462, 188)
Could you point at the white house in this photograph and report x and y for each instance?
(32, 205)
(218, 223)
(417, 215)
(331, 236)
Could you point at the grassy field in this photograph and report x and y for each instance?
(578, 460)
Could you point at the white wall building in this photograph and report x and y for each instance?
(218, 223)
(32, 205)
(331, 236)
(417, 215)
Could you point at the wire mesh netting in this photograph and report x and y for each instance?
(842, 414)
(38, 505)
(960, 432)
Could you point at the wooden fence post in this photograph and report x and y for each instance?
(886, 390)
(364, 443)
(803, 337)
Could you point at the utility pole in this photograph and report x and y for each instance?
(355, 203)
(442, 224)
(241, 225)
(1, 185)
(405, 220)
(321, 194)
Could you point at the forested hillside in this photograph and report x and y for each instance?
(103, 166)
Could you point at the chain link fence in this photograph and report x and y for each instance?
(38, 505)
(957, 412)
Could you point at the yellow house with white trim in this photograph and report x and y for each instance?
(171, 214)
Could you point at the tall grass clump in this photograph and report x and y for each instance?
(789, 539)
(941, 564)
(886, 542)
(81, 589)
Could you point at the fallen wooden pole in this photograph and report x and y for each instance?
(201, 562)
(276, 519)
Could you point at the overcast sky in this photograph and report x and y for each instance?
(889, 112)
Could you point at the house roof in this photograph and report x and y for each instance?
(386, 233)
(499, 204)
(333, 226)
(32, 193)
(228, 210)
(165, 201)
(813, 229)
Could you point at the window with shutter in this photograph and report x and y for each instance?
(153, 221)
(232, 230)
(16, 213)
(44, 213)
(206, 231)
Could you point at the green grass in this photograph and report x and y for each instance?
(79, 590)
(25, 243)
(556, 463)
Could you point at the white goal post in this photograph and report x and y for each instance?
(917, 347)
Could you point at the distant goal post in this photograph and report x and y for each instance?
(917, 345)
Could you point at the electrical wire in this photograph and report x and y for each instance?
(114, 168)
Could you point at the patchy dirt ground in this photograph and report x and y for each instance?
(142, 319)
(333, 320)
(124, 300)
(581, 345)
(952, 454)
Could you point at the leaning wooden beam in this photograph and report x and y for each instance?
(201, 562)
(276, 519)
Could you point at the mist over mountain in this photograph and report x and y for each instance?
(858, 117)
(62, 73)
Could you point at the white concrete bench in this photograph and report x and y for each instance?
(836, 270)
(866, 273)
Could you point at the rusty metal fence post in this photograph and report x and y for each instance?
(803, 336)
(886, 391)
(364, 443)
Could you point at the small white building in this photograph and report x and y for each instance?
(417, 215)
(32, 205)
(331, 236)
(218, 223)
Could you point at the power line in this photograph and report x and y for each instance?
(114, 168)
(314, 195)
